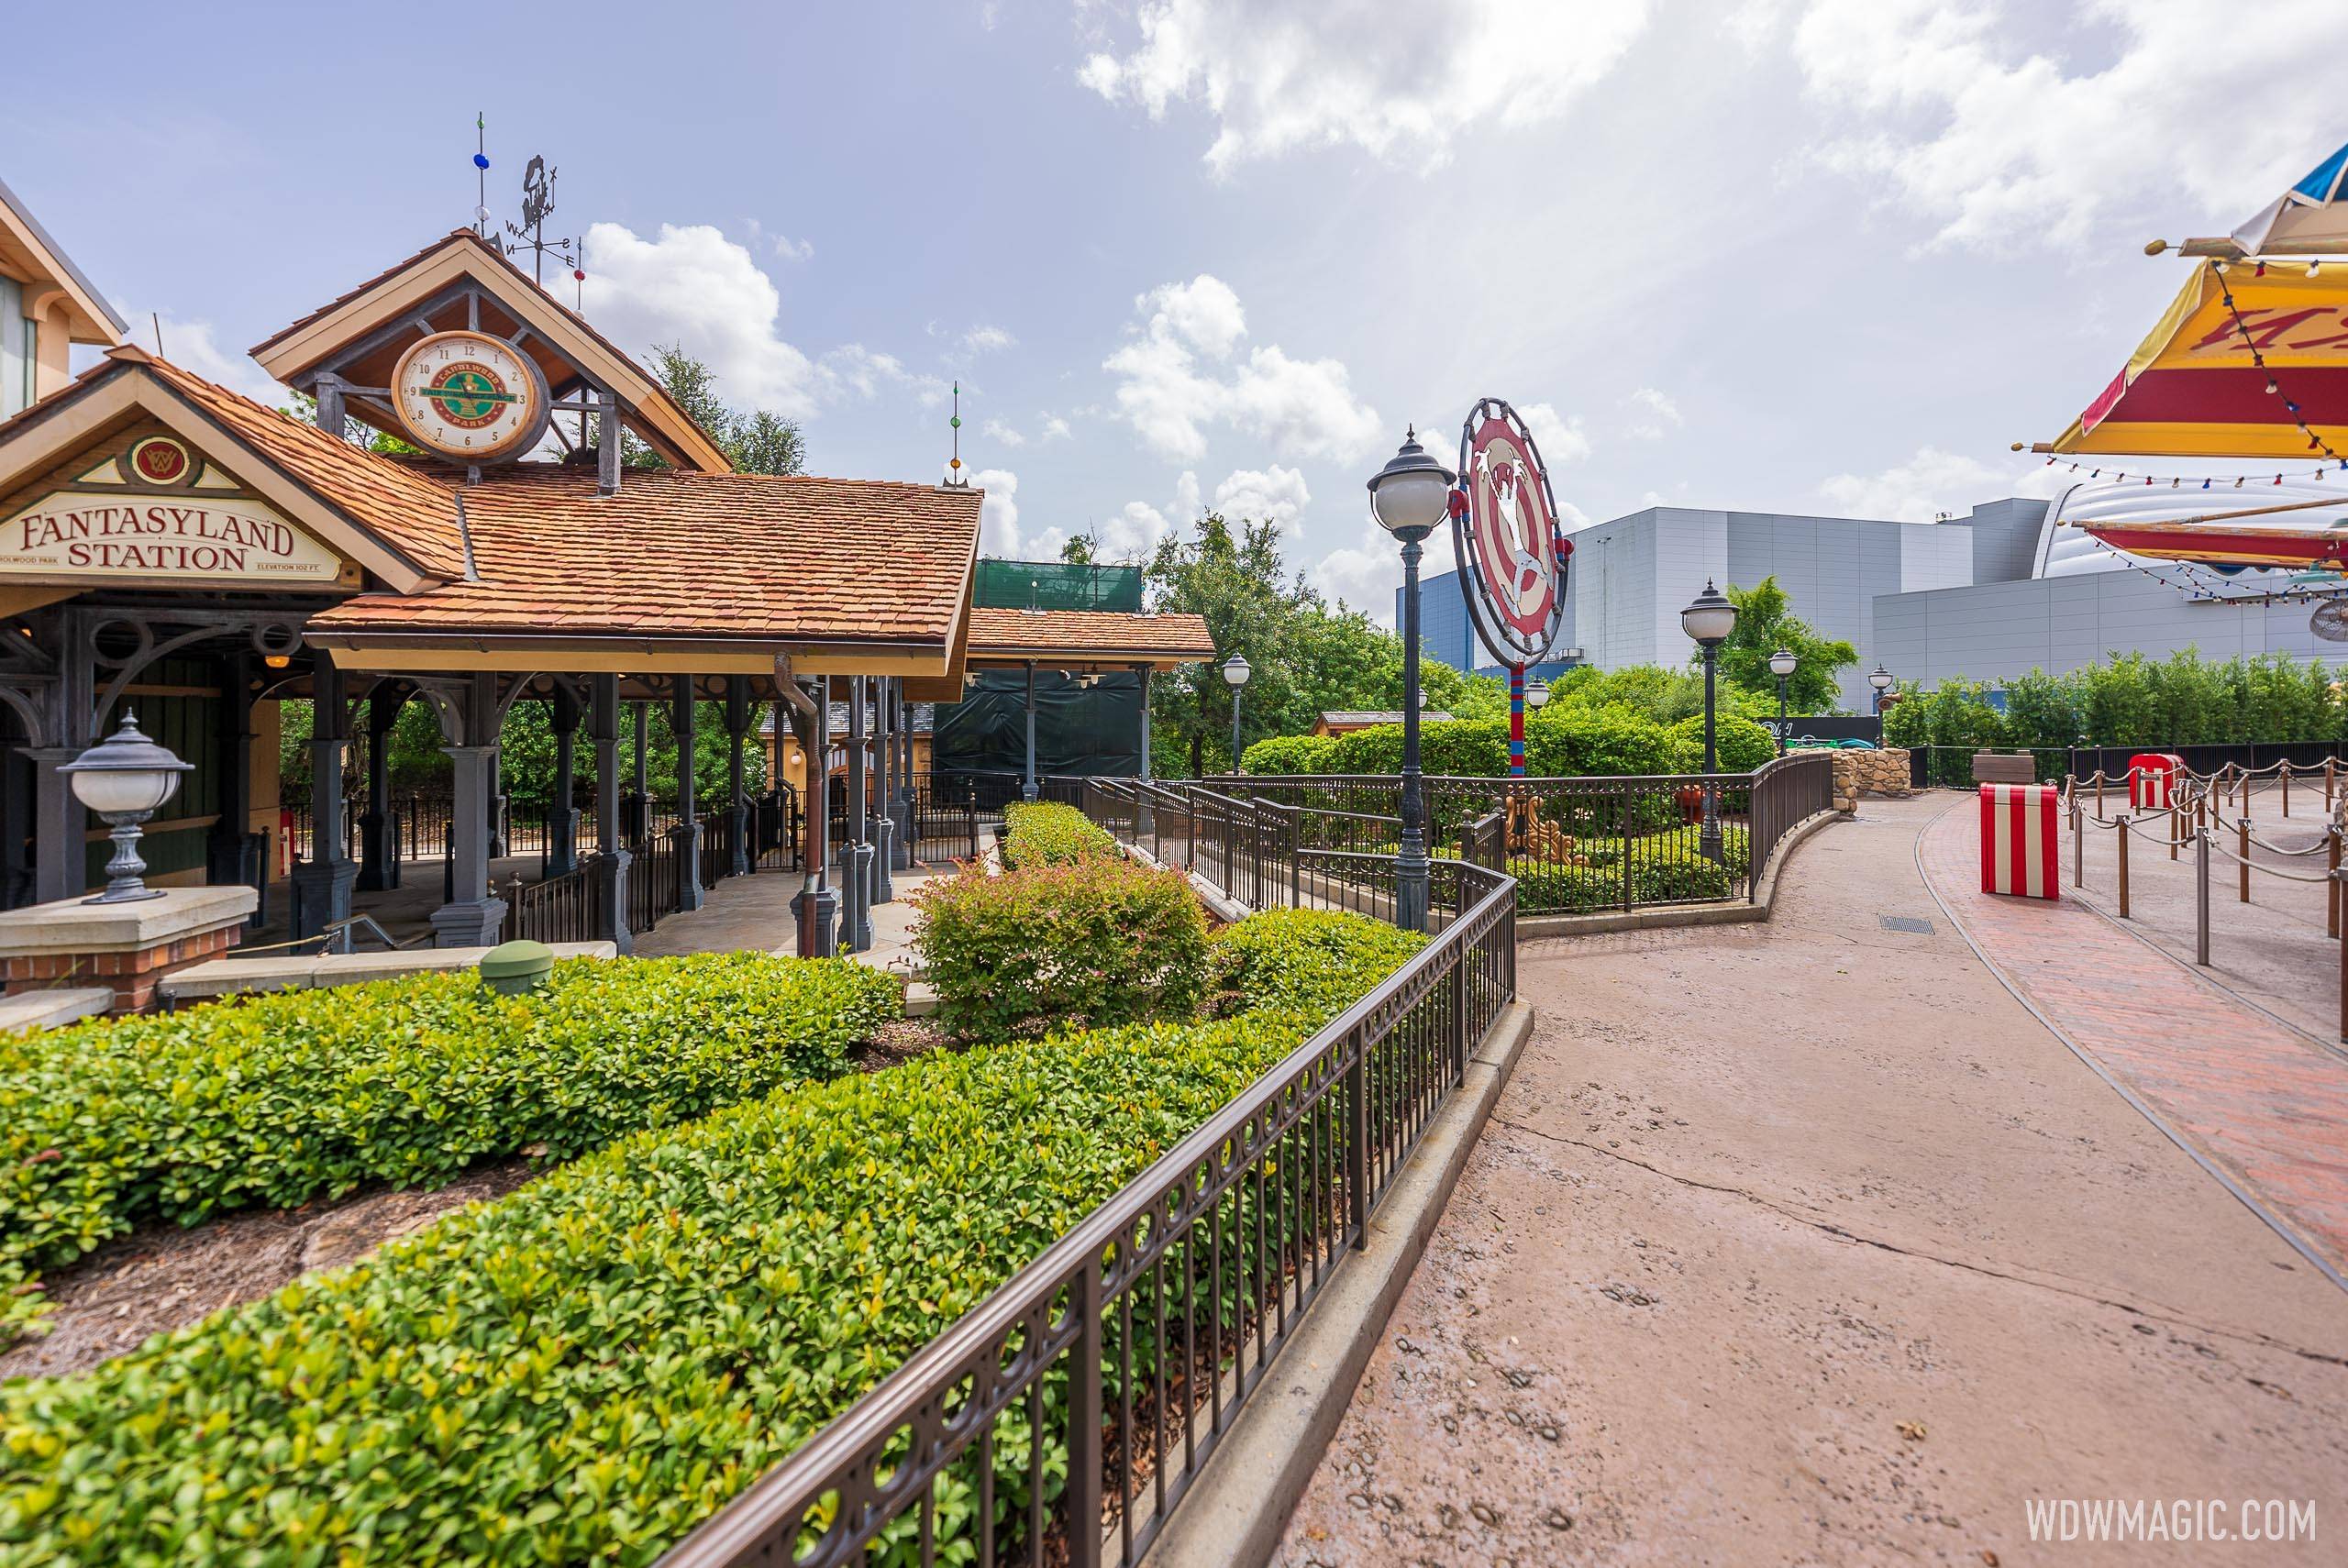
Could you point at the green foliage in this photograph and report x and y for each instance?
(1290, 754)
(1091, 938)
(588, 1367)
(1739, 746)
(1315, 961)
(1665, 867)
(1574, 740)
(754, 443)
(279, 1099)
(1307, 657)
(526, 752)
(1478, 747)
(1045, 833)
(2132, 699)
(1766, 623)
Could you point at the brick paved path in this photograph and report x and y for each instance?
(1806, 1243)
(2264, 1103)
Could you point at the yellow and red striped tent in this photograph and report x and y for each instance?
(2250, 362)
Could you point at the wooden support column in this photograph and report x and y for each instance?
(323, 883)
(815, 904)
(225, 855)
(638, 805)
(884, 811)
(1145, 819)
(611, 891)
(1027, 790)
(856, 849)
(686, 832)
(607, 444)
(737, 730)
(473, 913)
(563, 823)
(379, 867)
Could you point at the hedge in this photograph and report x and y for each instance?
(1288, 754)
(1045, 832)
(589, 1366)
(1098, 942)
(282, 1098)
(1664, 869)
(1739, 746)
(1318, 960)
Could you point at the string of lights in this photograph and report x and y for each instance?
(2274, 387)
(2191, 581)
(2226, 481)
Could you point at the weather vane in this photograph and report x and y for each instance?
(954, 467)
(480, 172)
(530, 234)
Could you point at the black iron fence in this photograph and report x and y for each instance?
(1575, 845)
(1065, 1417)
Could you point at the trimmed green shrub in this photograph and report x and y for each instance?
(1314, 961)
(279, 1099)
(1476, 747)
(1290, 754)
(1739, 746)
(1045, 832)
(1572, 741)
(588, 1367)
(1096, 941)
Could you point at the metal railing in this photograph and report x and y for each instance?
(568, 907)
(1066, 1416)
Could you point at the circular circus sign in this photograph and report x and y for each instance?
(1512, 560)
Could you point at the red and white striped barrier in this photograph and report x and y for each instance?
(2018, 840)
(2152, 780)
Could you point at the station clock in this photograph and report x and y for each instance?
(471, 397)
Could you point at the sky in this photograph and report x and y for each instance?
(1820, 256)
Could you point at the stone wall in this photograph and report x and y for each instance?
(1859, 772)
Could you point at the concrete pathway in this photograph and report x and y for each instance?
(1805, 1243)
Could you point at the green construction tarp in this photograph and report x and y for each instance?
(1057, 585)
(1080, 729)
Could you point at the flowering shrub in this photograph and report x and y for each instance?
(1043, 833)
(1095, 940)
(278, 1099)
(586, 1368)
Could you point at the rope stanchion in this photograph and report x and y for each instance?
(2202, 899)
(2331, 894)
(2123, 866)
(2243, 827)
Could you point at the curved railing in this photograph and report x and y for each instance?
(1064, 1418)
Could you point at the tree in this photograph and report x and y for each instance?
(754, 443)
(383, 443)
(1766, 623)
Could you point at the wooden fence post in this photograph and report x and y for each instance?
(2123, 866)
(2242, 827)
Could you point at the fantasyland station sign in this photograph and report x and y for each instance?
(187, 541)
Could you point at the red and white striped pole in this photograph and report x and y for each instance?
(1516, 721)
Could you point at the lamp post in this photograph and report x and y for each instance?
(1781, 665)
(1234, 674)
(1708, 621)
(1408, 496)
(1882, 681)
(124, 778)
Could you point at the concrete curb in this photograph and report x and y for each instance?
(1765, 898)
(1234, 1514)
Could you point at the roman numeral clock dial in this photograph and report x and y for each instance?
(470, 396)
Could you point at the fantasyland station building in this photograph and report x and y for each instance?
(177, 550)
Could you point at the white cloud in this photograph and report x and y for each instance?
(1301, 407)
(1275, 495)
(194, 346)
(1931, 482)
(1653, 410)
(1132, 532)
(1055, 428)
(996, 430)
(998, 513)
(1998, 146)
(694, 287)
(1365, 574)
(984, 339)
(789, 250)
(1400, 82)
(1561, 440)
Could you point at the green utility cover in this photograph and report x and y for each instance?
(512, 967)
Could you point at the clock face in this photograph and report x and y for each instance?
(471, 396)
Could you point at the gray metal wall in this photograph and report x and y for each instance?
(1634, 575)
(1996, 631)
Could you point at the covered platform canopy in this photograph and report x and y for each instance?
(168, 541)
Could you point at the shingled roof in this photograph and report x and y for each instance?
(1092, 636)
(684, 556)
